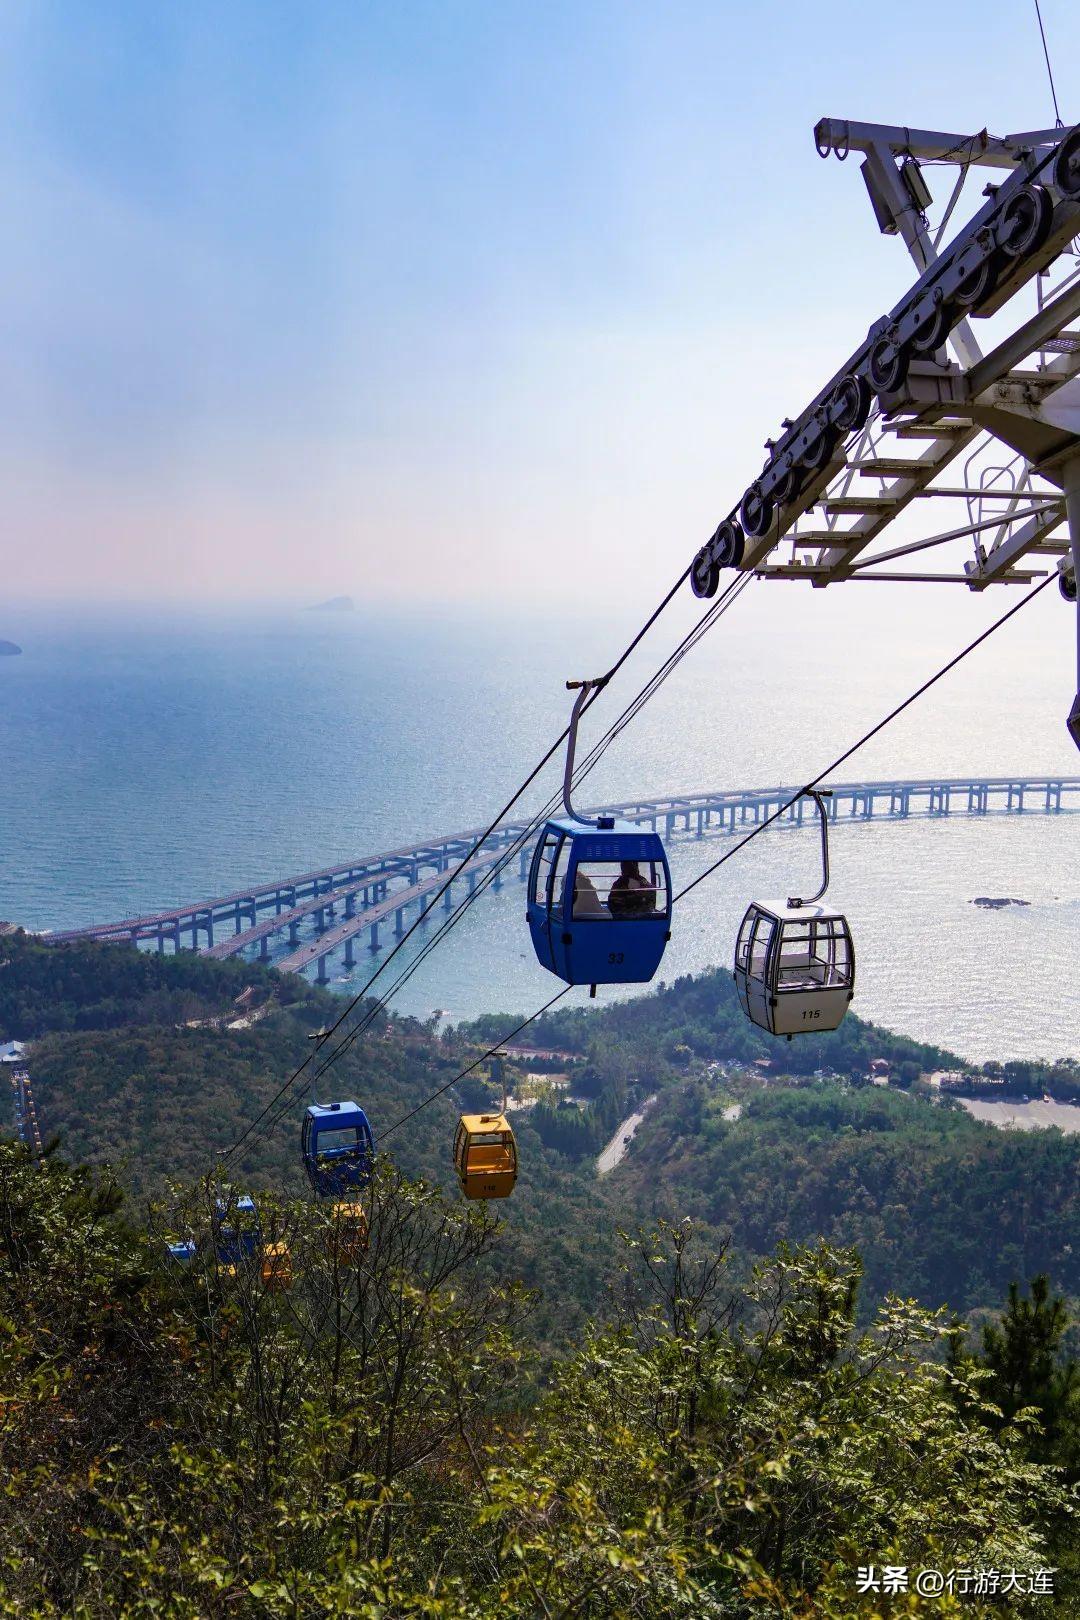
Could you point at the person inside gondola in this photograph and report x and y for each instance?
(631, 895)
(587, 903)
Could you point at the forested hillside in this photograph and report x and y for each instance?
(159, 1100)
(941, 1207)
(84, 985)
(359, 1438)
(636, 1396)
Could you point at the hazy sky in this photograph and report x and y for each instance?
(440, 300)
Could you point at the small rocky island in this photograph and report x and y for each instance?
(993, 903)
(335, 604)
(8, 649)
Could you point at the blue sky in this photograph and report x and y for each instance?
(421, 300)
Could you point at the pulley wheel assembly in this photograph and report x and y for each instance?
(931, 334)
(1067, 166)
(887, 365)
(819, 442)
(1025, 221)
(978, 285)
(756, 512)
(787, 485)
(727, 545)
(850, 402)
(704, 574)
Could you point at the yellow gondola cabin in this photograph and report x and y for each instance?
(485, 1156)
(276, 1270)
(347, 1237)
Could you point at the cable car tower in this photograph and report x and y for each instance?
(26, 1120)
(931, 436)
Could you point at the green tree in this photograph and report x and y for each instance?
(1026, 1371)
(724, 1455)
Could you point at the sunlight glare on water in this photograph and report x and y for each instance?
(162, 759)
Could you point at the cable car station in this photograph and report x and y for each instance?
(921, 418)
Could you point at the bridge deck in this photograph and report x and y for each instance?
(371, 916)
(332, 884)
(281, 919)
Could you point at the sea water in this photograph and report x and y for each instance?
(154, 757)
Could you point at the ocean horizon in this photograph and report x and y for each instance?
(157, 756)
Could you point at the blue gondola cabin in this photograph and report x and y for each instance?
(237, 1230)
(599, 904)
(337, 1147)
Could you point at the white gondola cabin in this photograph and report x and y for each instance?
(794, 959)
(794, 967)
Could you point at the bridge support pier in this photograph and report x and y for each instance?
(350, 959)
(350, 892)
(373, 942)
(320, 977)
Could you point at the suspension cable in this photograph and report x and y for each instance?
(1049, 69)
(598, 687)
(491, 1051)
(712, 614)
(693, 636)
(866, 737)
(814, 781)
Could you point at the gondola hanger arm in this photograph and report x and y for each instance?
(819, 795)
(582, 688)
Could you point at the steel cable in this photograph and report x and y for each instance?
(598, 687)
(283, 1097)
(866, 737)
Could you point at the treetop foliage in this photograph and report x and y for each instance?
(195, 1440)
